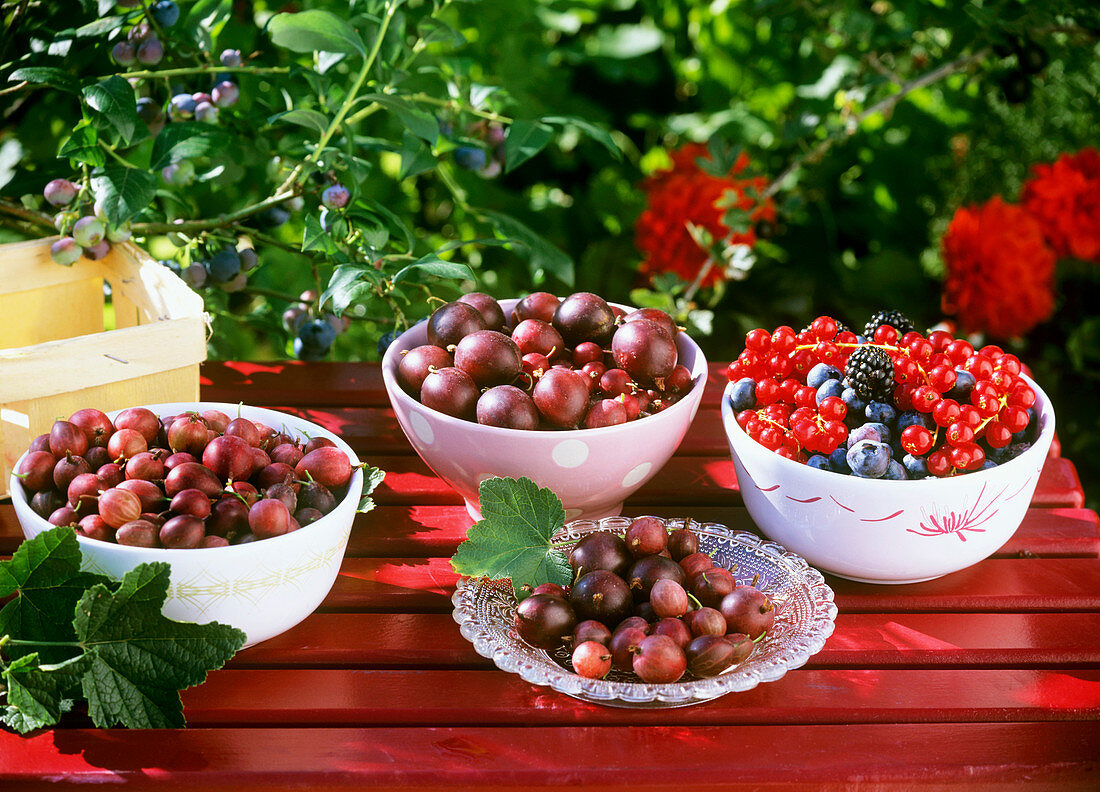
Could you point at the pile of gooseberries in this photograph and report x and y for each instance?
(648, 603)
(552, 363)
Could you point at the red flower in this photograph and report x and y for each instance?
(1065, 198)
(688, 194)
(999, 270)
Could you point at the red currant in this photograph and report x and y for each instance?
(991, 351)
(959, 351)
(946, 412)
(979, 366)
(997, 435)
(845, 337)
(1010, 364)
(833, 408)
(735, 371)
(910, 337)
(970, 416)
(758, 340)
(743, 418)
(977, 456)
(771, 437)
(802, 362)
(906, 371)
(885, 334)
(1021, 395)
(961, 456)
(826, 352)
(783, 339)
(824, 328)
(1002, 380)
(916, 440)
(942, 378)
(806, 396)
(836, 430)
(787, 390)
(802, 431)
(938, 463)
(925, 398)
(808, 414)
(921, 349)
(767, 391)
(779, 413)
(940, 339)
(903, 397)
(1015, 418)
(959, 434)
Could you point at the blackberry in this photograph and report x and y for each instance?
(896, 319)
(870, 374)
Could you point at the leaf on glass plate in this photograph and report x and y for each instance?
(139, 660)
(313, 31)
(513, 537)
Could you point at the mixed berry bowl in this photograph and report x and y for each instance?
(877, 530)
(261, 587)
(592, 470)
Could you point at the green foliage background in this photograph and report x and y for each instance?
(859, 227)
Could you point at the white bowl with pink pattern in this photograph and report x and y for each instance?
(591, 470)
(880, 531)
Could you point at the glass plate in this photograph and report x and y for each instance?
(485, 611)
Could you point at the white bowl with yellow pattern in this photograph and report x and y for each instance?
(263, 588)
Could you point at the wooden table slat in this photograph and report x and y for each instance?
(861, 640)
(1055, 756)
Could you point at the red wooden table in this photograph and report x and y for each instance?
(988, 678)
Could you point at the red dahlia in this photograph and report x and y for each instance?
(999, 270)
(1065, 198)
(688, 194)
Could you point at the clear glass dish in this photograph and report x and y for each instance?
(805, 613)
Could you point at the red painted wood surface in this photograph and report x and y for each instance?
(985, 679)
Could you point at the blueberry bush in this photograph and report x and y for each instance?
(324, 172)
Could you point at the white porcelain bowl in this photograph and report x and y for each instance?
(591, 470)
(879, 531)
(264, 587)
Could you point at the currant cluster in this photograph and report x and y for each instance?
(648, 603)
(181, 481)
(553, 364)
(83, 224)
(892, 403)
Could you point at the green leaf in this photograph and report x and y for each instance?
(46, 75)
(314, 237)
(512, 539)
(123, 191)
(204, 21)
(599, 134)
(420, 122)
(348, 283)
(100, 27)
(138, 659)
(524, 140)
(37, 694)
(315, 30)
(113, 99)
(542, 257)
(416, 158)
(83, 146)
(372, 477)
(184, 140)
(44, 574)
(433, 265)
(394, 222)
(310, 119)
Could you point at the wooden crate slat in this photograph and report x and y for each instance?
(861, 640)
(1055, 756)
(50, 313)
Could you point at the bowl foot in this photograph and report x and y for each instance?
(884, 582)
(599, 513)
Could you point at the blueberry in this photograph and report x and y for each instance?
(272, 217)
(181, 107)
(895, 471)
(839, 461)
(60, 192)
(230, 57)
(830, 387)
(317, 334)
(964, 383)
(224, 265)
(874, 432)
(171, 264)
(206, 112)
(878, 412)
(149, 111)
(470, 157)
(88, 231)
(914, 418)
(225, 93)
(335, 196)
(150, 52)
(869, 459)
(65, 251)
(384, 342)
(166, 13)
(820, 462)
(916, 467)
(989, 464)
(851, 399)
(195, 275)
(304, 351)
(124, 54)
(821, 372)
(743, 394)
(249, 259)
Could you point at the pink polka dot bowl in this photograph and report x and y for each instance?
(592, 470)
(881, 531)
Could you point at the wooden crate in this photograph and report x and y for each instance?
(56, 357)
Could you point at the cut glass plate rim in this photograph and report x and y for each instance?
(805, 618)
